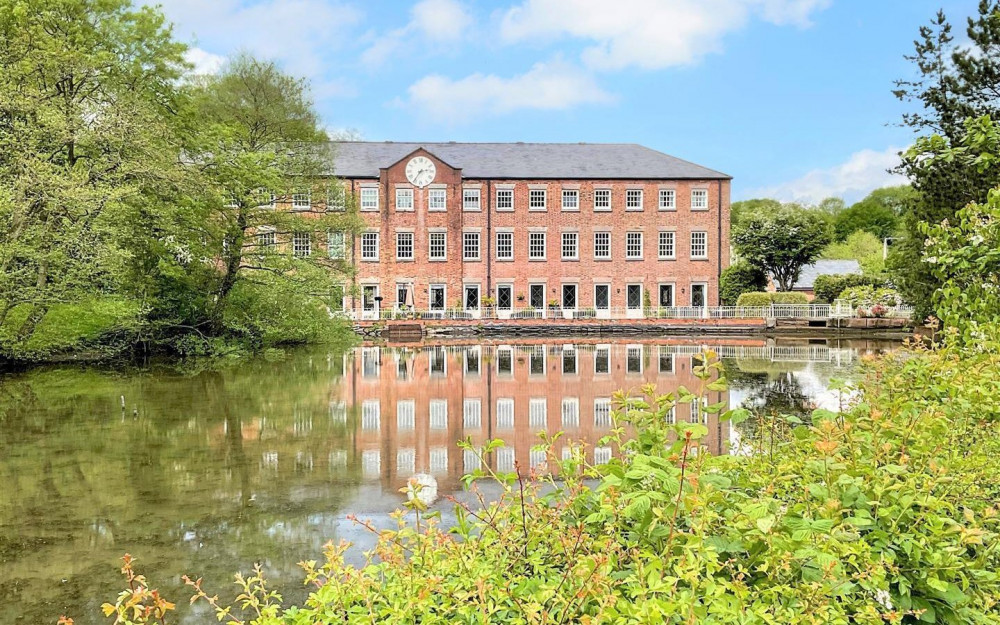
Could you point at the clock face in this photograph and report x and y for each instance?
(420, 171)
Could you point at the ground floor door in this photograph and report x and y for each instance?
(369, 303)
(666, 299)
(472, 298)
(536, 296)
(602, 300)
(569, 300)
(437, 297)
(505, 300)
(699, 296)
(633, 301)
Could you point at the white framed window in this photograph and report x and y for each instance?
(633, 199)
(505, 199)
(668, 200)
(602, 455)
(602, 412)
(633, 245)
(437, 200)
(505, 246)
(697, 416)
(271, 199)
(404, 246)
(571, 412)
(505, 361)
(439, 460)
(667, 246)
(406, 461)
(536, 199)
(536, 246)
(404, 199)
(472, 413)
(505, 460)
(369, 198)
(438, 362)
(602, 359)
(569, 360)
(335, 199)
(470, 246)
(267, 239)
(570, 200)
(438, 246)
(471, 461)
(505, 413)
(699, 245)
(602, 245)
(301, 201)
(301, 244)
(473, 360)
(570, 245)
(439, 414)
(602, 200)
(699, 199)
(633, 358)
(471, 199)
(666, 360)
(405, 411)
(371, 410)
(536, 459)
(336, 245)
(538, 418)
(371, 463)
(369, 246)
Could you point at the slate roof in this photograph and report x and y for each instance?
(628, 161)
(809, 273)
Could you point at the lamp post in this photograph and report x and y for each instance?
(885, 246)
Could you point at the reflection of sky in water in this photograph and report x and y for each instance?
(263, 461)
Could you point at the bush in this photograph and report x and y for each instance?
(739, 278)
(866, 297)
(789, 297)
(754, 299)
(829, 287)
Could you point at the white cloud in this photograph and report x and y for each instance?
(860, 174)
(437, 21)
(204, 62)
(554, 85)
(650, 34)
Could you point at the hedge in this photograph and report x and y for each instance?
(766, 299)
(828, 287)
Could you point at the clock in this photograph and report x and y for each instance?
(420, 171)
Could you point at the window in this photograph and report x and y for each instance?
(602, 359)
(270, 198)
(473, 358)
(371, 411)
(633, 296)
(439, 414)
(405, 411)
(602, 413)
(301, 201)
(505, 246)
(404, 246)
(505, 414)
(699, 200)
(666, 247)
(406, 460)
(438, 246)
(602, 455)
(569, 361)
(471, 461)
(570, 247)
(696, 414)
(602, 297)
(336, 245)
(699, 245)
(633, 199)
(267, 240)
(633, 245)
(470, 199)
(570, 200)
(668, 200)
(538, 408)
(471, 297)
(505, 361)
(536, 199)
(602, 245)
(404, 199)
(470, 246)
(633, 359)
(436, 296)
(571, 413)
(369, 246)
(602, 200)
(301, 244)
(666, 295)
(335, 200)
(472, 413)
(505, 297)
(439, 460)
(505, 199)
(536, 246)
(369, 198)
(666, 360)
(536, 360)
(437, 200)
(569, 296)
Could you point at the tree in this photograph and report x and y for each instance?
(878, 214)
(782, 242)
(955, 83)
(739, 278)
(861, 246)
(87, 105)
(740, 210)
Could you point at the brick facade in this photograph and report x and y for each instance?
(678, 276)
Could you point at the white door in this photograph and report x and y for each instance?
(602, 300)
(471, 299)
(369, 305)
(505, 300)
(699, 298)
(633, 301)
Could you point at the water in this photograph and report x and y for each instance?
(207, 472)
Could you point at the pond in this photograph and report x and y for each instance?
(207, 472)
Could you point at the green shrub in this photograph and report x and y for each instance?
(754, 299)
(739, 278)
(866, 296)
(789, 297)
(829, 287)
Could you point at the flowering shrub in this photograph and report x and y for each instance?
(883, 513)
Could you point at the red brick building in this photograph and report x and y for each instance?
(603, 230)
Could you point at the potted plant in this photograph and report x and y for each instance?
(520, 297)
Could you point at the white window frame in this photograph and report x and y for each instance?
(430, 298)
(336, 251)
(533, 197)
(404, 200)
(267, 239)
(366, 256)
(300, 249)
(470, 239)
(336, 199)
(602, 412)
(472, 413)
(506, 194)
(570, 413)
(369, 199)
(507, 246)
(437, 412)
(573, 240)
(700, 194)
(299, 204)
(505, 413)
(406, 410)
(437, 200)
(633, 200)
(573, 197)
(444, 246)
(668, 200)
(667, 245)
(538, 413)
(704, 244)
(400, 237)
(531, 246)
(607, 245)
(471, 200)
(629, 254)
(603, 193)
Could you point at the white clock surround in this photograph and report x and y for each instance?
(420, 171)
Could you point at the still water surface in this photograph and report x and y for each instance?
(207, 472)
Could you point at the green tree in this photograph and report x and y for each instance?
(863, 247)
(868, 215)
(782, 242)
(955, 83)
(742, 209)
(87, 105)
(739, 278)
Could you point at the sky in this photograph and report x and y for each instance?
(793, 98)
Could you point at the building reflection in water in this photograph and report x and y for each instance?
(415, 405)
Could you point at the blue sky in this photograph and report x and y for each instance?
(791, 97)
